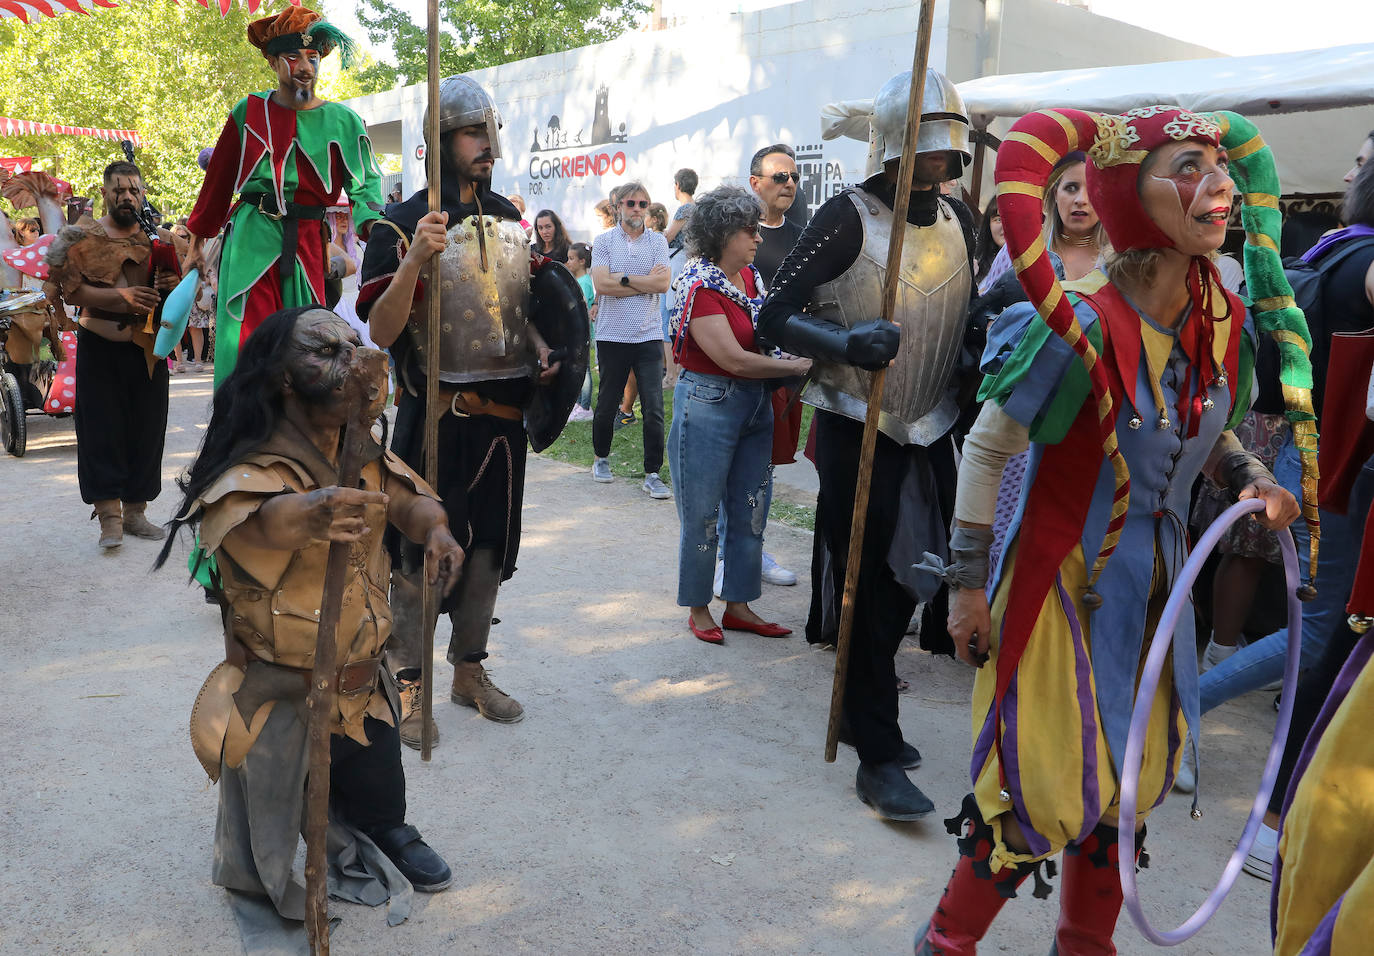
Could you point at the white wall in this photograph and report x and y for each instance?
(707, 94)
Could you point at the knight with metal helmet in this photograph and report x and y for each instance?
(513, 351)
(825, 304)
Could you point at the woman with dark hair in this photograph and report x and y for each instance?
(721, 443)
(1124, 392)
(986, 247)
(550, 238)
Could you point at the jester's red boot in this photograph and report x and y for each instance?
(1090, 894)
(974, 894)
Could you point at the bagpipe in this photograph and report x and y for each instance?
(175, 311)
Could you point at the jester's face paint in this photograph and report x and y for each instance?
(1186, 189)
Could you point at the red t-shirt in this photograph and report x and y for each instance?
(711, 302)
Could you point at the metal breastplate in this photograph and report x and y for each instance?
(931, 308)
(482, 312)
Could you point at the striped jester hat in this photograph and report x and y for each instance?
(1116, 147)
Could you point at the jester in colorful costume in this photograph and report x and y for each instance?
(288, 155)
(1124, 385)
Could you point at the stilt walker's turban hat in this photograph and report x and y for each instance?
(299, 28)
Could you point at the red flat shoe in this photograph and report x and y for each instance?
(764, 629)
(712, 635)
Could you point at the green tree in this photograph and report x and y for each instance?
(482, 33)
(170, 71)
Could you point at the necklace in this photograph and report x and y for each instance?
(1088, 240)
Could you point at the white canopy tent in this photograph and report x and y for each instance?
(1313, 107)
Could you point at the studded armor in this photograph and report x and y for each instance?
(484, 295)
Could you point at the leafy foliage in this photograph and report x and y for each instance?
(171, 71)
(482, 33)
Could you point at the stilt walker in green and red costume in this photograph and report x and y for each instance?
(288, 155)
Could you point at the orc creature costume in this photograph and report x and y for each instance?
(287, 166)
(249, 726)
(824, 304)
(492, 288)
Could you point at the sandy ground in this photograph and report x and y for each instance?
(662, 795)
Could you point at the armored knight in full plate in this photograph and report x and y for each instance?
(824, 304)
(514, 349)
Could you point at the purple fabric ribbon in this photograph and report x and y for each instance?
(1325, 244)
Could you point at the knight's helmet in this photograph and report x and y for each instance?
(463, 102)
(944, 121)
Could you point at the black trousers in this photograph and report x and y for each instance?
(121, 420)
(367, 784)
(882, 608)
(616, 360)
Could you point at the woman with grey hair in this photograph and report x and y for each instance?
(720, 445)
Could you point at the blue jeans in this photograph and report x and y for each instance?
(720, 449)
(1261, 663)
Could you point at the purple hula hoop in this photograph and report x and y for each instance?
(1140, 717)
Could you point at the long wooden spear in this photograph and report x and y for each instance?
(875, 393)
(429, 604)
(324, 677)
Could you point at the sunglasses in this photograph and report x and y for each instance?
(632, 203)
(781, 178)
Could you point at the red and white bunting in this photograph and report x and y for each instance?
(16, 164)
(17, 127)
(30, 11)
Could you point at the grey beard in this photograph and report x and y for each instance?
(303, 94)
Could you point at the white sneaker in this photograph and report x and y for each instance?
(1186, 780)
(1216, 653)
(580, 414)
(1259, 862)
(601, 471)
(774, 573)
(719, 583)
(655, 488)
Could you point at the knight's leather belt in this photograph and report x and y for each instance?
(464, 404)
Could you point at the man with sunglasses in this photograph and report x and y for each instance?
(773, 177)
(630, 271)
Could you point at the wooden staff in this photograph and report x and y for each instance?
(324, 682)
(875, 393)
(429, 603)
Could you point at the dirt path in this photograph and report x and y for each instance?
(662, 795)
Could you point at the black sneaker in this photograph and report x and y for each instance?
(624, 418)
(425, 869)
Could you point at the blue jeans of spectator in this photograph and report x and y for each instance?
(720, 449)
(1261, 663)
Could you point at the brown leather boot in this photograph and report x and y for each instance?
(111, 525)
(412, 712)
(472, 687)
(137, 523)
